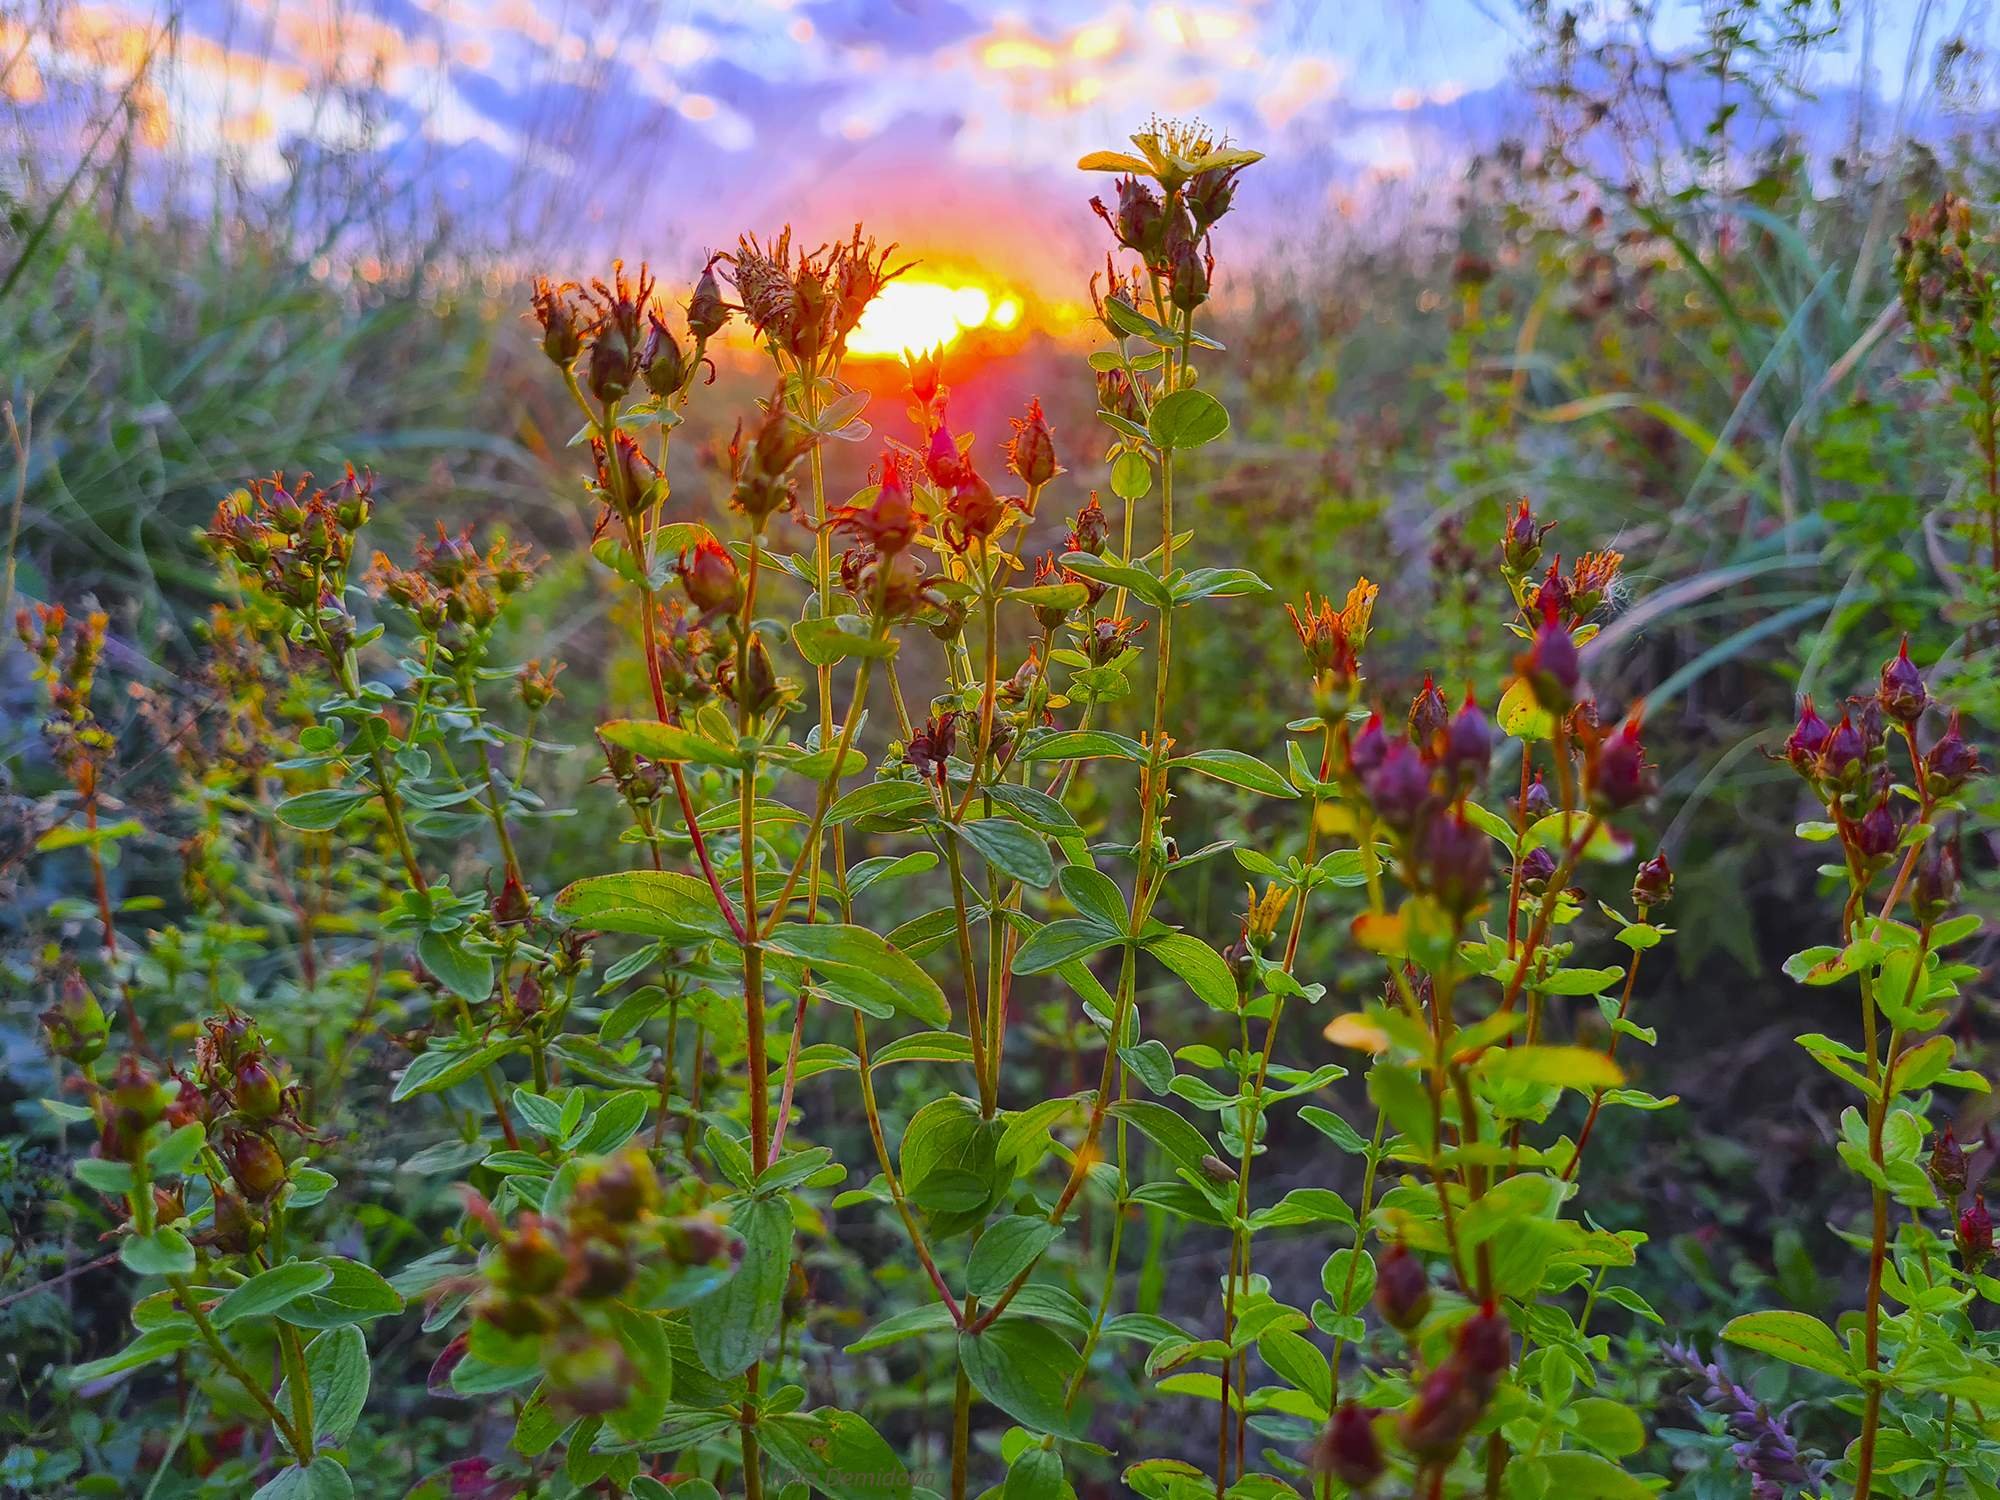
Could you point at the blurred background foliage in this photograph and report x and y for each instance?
(1665, 315)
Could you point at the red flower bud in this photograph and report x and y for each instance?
(1952, 761)
(256, 1164)
(1843, 759)
(1653, 882)
(1878, 832)
(1537, 868)
(1975, 1235)
(708, 573)
(1348, 1449)
(1399, 788)
(1447, 1405)
(1551, 666)
(1537, 804)
(1934, 892)
(1468, 746)
(1031, 452)
(1365, 753)
(257, 1092)
(1521, 545)
(1429, 717)
(1808, 739)
(1458, 858)
(1947, 1166)
(1402, 1289)
(1902, 693)
(1616, 774)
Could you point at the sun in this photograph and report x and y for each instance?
(918, 315)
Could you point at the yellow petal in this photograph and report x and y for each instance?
(1112, 161)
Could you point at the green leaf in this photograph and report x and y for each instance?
(1084, 744)
(1024, 1368)
(1012, 849)
(616, 1121)
(822, 642)
(1611, 1427)
(1036, 1475)
(1238, 769)
(164, 1252)
(317, 812)
(1565, 1067)
(650, 903)
(1007, 1248)
(861, 968)
(1060, 942)
(266, 1292)
(736, 1322)
(1187, 419)
(669, 743)
(154, 1343)
(1795, 1337)
(1585, 1476)
(467, 974)
(442, 1067)
(1095, 895)
(1197, 963)
(171, 1156)
(932, 1317)
(337, 1376)
(1131, 475)
(925, 1046)
(1165, 1129)
(105, 1176)
(356, 1293)
(837, 1453)
(1295, 1359)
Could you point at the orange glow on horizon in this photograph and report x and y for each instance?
(921, 315)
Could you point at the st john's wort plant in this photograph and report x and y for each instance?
(628, 1067)
(1918, 1368)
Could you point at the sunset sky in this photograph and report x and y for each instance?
(664, 129)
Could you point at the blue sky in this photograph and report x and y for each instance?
(662, 128)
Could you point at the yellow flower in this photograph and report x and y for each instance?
(1170, 152)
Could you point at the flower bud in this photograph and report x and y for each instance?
(1209, 195)
(1447, 1405)
(1091, 529)
(256, 1164)
(1031, 452)
(942, 460)
(1370, 744)
(1429, 717)
(706, 311)
(1878, 832)
(1485, 1347)
(1653, 882)
(1617, 775)
(531, 1260)
(1975, 1235)
(708, 574)
(605, 1270)
(1521, 545)
(1807, 740)
(1952, 761)
(1537, 803)
(237, 1229)
(619, 1189)
(1551, 666)
(1934, 891)
(256, 1090)
(587, 1376)
(1348, 1449)
(665, 366)
(1947, 1166)
(1458, 858)
(700, 1240)
(1141, 224)
(1537, 868)
(1402, 1289)
(1399, 788)
(1188, 275)
(76, 1024)
(1902, 693)
(1843, 761)
(1468, 746)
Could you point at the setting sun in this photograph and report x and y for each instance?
(918, 315)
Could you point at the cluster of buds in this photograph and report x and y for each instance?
(617, 333)
(881, 570)
(805, 307)
(237, 1090)
(452, 589)
(1847, 767)
(550, 1278)
(66, 655)
(1940, 273)
(1416, 783)
(1169, 198)
(761, 465)
(295, 541)
(968, 509)
(1972, 1227)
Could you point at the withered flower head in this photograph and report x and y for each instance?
(616, 339)
(929, 749)
(555, 308)
(1031, 452)
(1592, 578)
(1332, 639)
(889, 522)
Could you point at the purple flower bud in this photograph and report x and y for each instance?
(1348, 1448)
(1428, 716)
(1617, 775)
(1551, 665)
(1537, 804)
(1458, 858)
(1468, 746)
(1402, 1289)
(1844, 756)
(1902, 694)
(1653, 882)
(1952, 761)
(1934, 892)
(1368, 747)
(1975, 1235)
(1808, 739)
(1399, 787)
(1878, 832)
(1947, 1166)
(1537, 868)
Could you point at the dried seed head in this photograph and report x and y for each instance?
(1429, 717)
(1031, 452)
